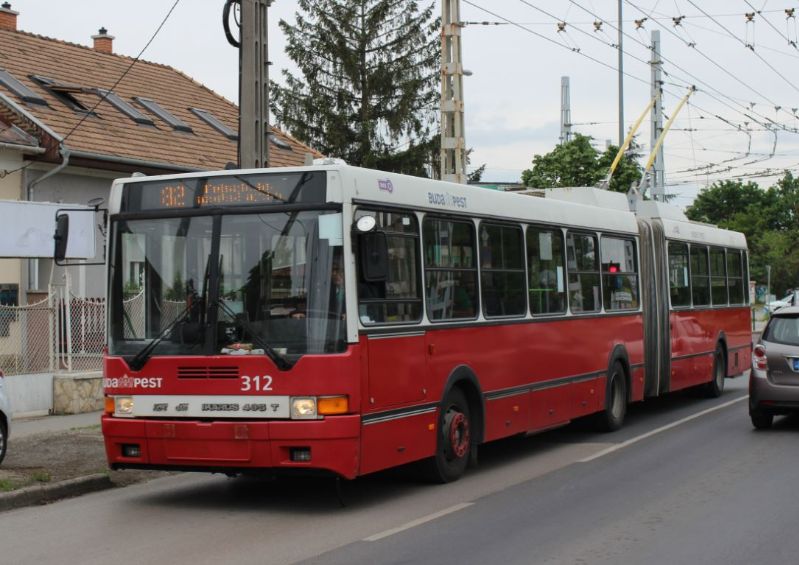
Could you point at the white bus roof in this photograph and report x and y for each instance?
(393, 189)
(676, 225)
(432, 195)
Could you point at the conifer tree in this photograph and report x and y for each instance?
(368, 85)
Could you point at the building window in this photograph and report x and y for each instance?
(215, 123)
(153, 106)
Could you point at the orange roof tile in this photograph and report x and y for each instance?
(111, 133)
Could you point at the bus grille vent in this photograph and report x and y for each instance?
(208, 372)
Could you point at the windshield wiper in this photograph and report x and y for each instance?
(140, 359)
(282, 363)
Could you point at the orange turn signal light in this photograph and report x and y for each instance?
(109, 405)
(331, 405)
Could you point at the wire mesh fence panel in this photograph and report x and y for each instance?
(133, 316)
(85, 335)
(27, 338)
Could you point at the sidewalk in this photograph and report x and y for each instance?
(24, 427)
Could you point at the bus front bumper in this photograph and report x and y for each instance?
(228, 446)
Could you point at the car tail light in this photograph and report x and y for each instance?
(759, 357)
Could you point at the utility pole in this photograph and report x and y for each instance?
(565, 112)
(621, 79)
(254, 85)
(658, 180)
(453, 144)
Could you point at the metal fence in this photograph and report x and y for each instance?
(27, 338)
(61, 334)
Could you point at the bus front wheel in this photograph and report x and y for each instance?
(453, 439)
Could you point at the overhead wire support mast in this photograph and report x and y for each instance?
(453, 143)
(254, 85)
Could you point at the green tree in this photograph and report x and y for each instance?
(577, 163)
(723, 202)
(368, 83)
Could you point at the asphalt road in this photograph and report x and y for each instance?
(686, 481)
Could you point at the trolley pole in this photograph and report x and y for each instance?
(658, 170)
(565, 112)
(453, 144)
(254, 85)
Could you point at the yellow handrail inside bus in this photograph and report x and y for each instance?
(628, 140)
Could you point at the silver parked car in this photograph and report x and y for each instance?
(5, 419)
(774, 380)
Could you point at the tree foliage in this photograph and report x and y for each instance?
(368, 82)
(577, 163)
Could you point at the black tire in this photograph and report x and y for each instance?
(453, 440)
(3, 441)
(761, 420)
(715, 387)
(612, 417)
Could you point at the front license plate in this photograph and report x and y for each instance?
(211, 406)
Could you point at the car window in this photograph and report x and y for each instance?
(783, 329)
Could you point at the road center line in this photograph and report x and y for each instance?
(419, 521)
(656, 431)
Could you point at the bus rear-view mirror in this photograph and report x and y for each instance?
(374, 256)
(61, 237)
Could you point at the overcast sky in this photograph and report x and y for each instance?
(513, 97)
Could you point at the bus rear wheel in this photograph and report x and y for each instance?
(612, 417)
(454, 440)
(715, 387)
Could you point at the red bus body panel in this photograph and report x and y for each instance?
(694, 336)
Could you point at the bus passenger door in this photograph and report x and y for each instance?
(396, 370)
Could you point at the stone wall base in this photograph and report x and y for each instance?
(77, 393)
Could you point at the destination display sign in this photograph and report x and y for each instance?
(222, 191)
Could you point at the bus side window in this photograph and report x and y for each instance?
(398, 299)
(700, 281)
(583, 260)
(546, 276)
(502, 270)
(679, 282)
(450, 269)
(619, 274)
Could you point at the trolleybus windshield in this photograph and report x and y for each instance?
(227, 283)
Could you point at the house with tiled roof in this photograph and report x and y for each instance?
(74, 117)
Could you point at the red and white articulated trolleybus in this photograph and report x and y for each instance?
(346, 320)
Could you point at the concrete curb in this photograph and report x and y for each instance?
(40, 494)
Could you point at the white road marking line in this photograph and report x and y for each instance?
(631, 441)
(419, 521)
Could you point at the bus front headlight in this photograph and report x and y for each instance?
(303, 408)
(123, 406)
